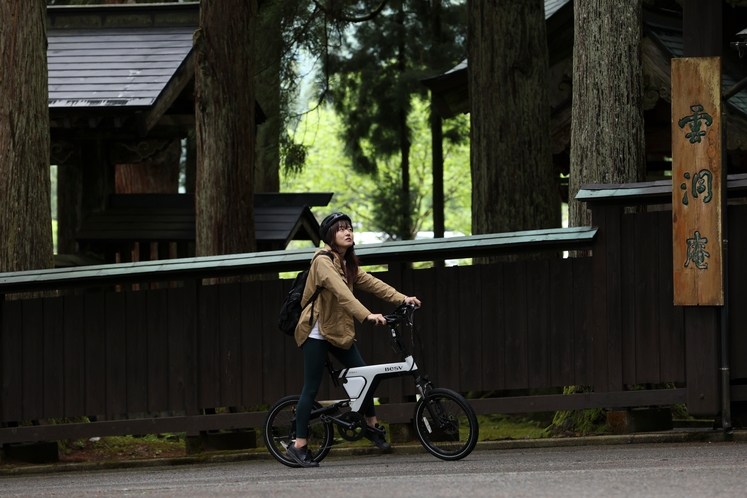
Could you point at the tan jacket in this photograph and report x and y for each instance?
(336, 306)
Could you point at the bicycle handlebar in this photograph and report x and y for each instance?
(403, 311)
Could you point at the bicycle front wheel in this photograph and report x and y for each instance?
(446, 424)
(280, 431)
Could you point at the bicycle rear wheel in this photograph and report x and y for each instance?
(280, 430)
(449, 429)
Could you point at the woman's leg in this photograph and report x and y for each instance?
(314, 358)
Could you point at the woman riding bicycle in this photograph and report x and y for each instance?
(327, 325)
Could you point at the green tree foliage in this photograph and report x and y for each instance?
(327, 170)
(371, 76)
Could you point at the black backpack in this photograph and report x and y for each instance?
(290, 311)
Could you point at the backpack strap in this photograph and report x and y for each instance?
(318, 288)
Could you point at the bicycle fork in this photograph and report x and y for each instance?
(423, 386)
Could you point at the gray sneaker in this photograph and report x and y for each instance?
(302, 456)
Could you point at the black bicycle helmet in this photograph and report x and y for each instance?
(331, 220)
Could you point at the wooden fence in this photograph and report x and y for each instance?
(164, 359)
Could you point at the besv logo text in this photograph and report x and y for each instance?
(392, 369)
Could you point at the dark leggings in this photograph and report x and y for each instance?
(314, 358)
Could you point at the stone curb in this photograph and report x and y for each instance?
(680, 436)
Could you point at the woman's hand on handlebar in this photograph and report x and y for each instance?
(412, 300)
(376, 318)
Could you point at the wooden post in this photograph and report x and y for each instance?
(701, 26)
(697, 182)
(701, 38)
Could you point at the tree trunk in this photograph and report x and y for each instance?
(224, 108)
(513, 185)
(406, 230)
(437, 138)
(267, 81)
(607, 135)
(25, 215)
(437, 135)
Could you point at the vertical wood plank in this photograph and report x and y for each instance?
(208, 377)
(136, 347)
(469, 331)
(74, 352)
(116, 353)
(515, 300)
(561, 323)
(447, 319)
(647, 335)
(182, 348)
(702, 350)
(11, 346)
(492, 310)
(627, 318)
(582, 320)
(32, 373)
(54, 358)
(229, 344)
(95, 354)
(538, 326)
(600, 302)
(737, 287)
(252, 340)
(613, 251)
(157, 326)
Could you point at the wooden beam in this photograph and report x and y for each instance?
(178, 82)
(392, 413)
(658, 192)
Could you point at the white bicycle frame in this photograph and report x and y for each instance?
(359, 381)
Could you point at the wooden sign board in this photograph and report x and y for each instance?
(697, 182)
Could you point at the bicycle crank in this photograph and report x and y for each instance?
(353, 426)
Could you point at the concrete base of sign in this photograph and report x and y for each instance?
(221, 441)
(640, 420)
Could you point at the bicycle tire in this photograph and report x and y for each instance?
(455, 434)
(280, 427)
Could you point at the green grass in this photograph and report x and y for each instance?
(117, 447)
(497, 427)
(492, 428)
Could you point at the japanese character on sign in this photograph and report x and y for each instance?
(701, 182)
(695, 122)
(696, 251)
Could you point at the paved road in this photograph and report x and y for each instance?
(650, 470)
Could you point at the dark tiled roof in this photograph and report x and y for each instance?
(113, 67)
(278, 218)
(552, 6)
(668, 35)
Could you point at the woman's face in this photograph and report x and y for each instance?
(344, 236)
